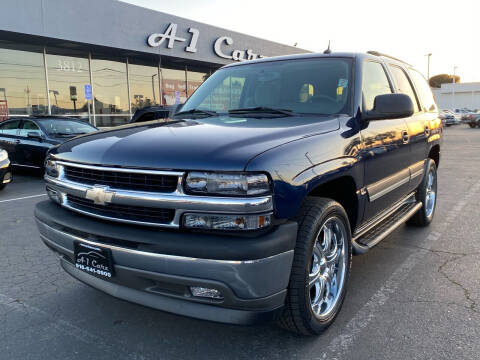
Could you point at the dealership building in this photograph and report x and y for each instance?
(458, 96)
(104, 59)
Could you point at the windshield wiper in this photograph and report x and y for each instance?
(262, 109)
(196, 111)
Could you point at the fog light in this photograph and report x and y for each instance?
(198, 291)
(54, 195)
(227, 222)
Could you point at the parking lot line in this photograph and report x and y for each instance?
(340, 346)
(22, 198)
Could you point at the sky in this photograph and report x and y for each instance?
(407, 29)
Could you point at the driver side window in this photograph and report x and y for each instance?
(29, 126)
(375, 82)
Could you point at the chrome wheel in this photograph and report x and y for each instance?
(431, 194)
(328, 267)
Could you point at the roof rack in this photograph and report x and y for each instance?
(377, 53)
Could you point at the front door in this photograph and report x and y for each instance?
(385, 147)
(31, 150)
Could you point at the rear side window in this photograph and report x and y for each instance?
(424, 91)
(10, 128)
(403, 85)
(375, 82)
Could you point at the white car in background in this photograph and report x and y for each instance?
(449, 117)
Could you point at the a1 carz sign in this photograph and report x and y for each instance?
(220, 47)
(3, 110)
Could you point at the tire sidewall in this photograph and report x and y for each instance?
(315, 323)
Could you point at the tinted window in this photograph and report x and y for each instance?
(403, 84)
(312, 86)
(29, 126)
(424, 92)
(65, 127)
(10, 128)
(375, 82)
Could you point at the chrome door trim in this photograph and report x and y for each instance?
(388, 184)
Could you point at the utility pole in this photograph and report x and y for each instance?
(428, 67)
(453, 88)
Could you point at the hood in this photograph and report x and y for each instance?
(215, 143)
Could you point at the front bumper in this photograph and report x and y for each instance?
(155, 268)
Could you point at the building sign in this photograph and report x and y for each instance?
(223, 46)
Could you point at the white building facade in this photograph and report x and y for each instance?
(458, 96)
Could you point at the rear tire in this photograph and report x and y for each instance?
(472, 125)
(427, 194)
(320, 269)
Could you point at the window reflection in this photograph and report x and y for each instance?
(144, 86)
(67, 77)
(22, 85)
(110, 86)
(173, 86)
(194, 80)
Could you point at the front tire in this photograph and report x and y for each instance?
(320, 269)
(427, 194)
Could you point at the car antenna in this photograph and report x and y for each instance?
(328, 51)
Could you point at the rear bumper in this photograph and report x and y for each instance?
(253, 288)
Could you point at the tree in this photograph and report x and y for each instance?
(437, 80)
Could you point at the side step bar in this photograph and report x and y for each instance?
(365, 241)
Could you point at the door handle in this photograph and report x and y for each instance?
(405, 136)
(17, 141)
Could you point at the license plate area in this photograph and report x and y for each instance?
(94, 260)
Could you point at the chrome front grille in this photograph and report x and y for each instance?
(138, 196)
(121, 179)
(122, 212)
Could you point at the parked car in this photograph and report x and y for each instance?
(449, 118)
(5, 172)
(473, 119)
(151, 113)
(248, 204)
(27, 139)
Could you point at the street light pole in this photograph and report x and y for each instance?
(428, 67)
(453, 88)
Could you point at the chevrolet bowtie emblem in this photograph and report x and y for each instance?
(99, 194)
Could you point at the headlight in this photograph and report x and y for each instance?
(51, 168)
(3, 155)
(227, 184)
(226, 222)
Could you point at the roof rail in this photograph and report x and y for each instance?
(377, 53)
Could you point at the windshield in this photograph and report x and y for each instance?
(307, 86)
(63, 127)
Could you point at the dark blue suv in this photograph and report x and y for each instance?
(248, 204)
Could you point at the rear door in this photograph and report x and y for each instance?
(417, 125)
(385, 144)
(32, 150)
(9, 139)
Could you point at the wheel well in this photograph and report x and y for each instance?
(434, 154)
(342, 190)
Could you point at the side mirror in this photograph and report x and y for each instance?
(34, 135)
(390, 106)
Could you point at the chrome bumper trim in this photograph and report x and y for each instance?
(144, 253)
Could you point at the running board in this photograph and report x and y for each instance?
(362, 243)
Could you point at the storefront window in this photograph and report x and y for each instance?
(67, 77)
(144, 86)
(110, 91)
(194, 80)
(173, 87)
(22, 80)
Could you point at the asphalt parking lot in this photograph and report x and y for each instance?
(415, 296)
